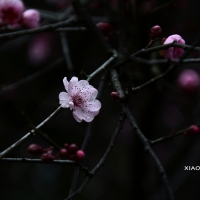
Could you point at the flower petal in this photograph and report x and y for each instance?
(81, 114)
(73, 85)
(64, 98)
(66, 83)
(93, 107)
(89, 93)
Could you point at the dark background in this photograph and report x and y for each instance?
(158, 109)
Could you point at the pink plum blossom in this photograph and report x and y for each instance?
(10, 11)
(81, 98)
(173, 52)
(30, 18)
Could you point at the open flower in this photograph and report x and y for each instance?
(81, 98)
(173, 52)
(10, 11)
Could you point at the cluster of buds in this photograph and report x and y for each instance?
(12, 14)
(68, 151)
(72, 152)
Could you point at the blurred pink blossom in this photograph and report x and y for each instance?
(173, 52)
(40, 49)
(81, 98)
(10, 11)
(30, 18)
(189, 81)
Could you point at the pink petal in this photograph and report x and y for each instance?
(64, 98)
(83, 83)
(71, 105)
(81, 114)
(73, 85)
(66, 83)
(89, 93)
(93, 107)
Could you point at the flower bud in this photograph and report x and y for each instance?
(155, 32)
(105, 28)
(79, 156)
(63, 152)
(115, 96)
(35, 149)
(189, 81)
(30, 18)
(72, 148)
(66, 146)
(46, 158)
(192, 130)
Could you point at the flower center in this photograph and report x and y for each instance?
(77, 100)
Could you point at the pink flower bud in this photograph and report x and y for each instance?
(115, 96)
(173, 52)
(189, 81)
(66, 145)
(30, 18)
(105, 28)
(63, 152)
(72, 148)
(79, 156)
(192, 130)
(46, 158)
(40, 48)
(155, 32)
(11, 10)
(35, 149)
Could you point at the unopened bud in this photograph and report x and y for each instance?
(35, 149)
(72, 148)
(46, 158)
(192, 130)
(189, 81)
(105, 28)
(115, 96)
(66, 146)
(155, 32)
(63, 152)
(79, 156)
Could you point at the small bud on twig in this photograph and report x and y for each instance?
(35, 149)
(192, 130)
(115, 96)
(155, 32)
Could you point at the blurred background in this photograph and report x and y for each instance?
(159, 109)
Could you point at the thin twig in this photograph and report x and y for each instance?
(144, 140)
(70, 29)
(116, 85)
(164, 61)
(168, 137)
(66, 53)
(2, 154)
(165, 46)
(103, 159)
(103, 67)
(85, 16)
(32, 77)
(39, 161)
(39, 29)
(41, 133)
(87, 134)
